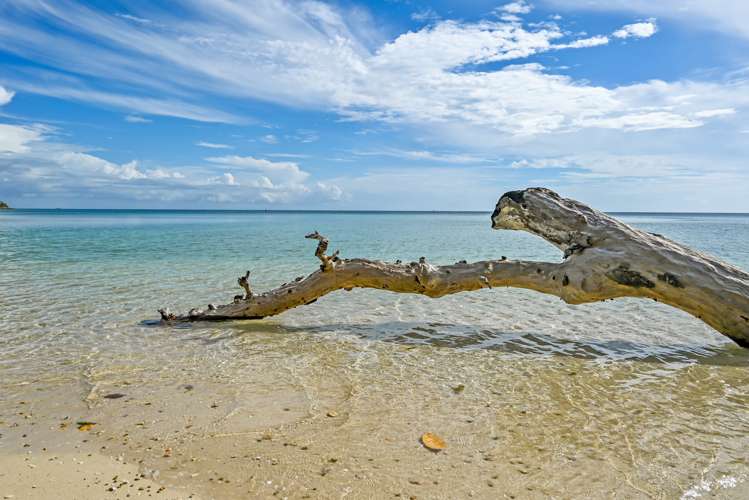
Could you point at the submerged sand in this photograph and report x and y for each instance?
(515, 426)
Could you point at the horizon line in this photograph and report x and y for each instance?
(352, 211)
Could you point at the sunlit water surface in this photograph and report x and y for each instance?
(534, 397)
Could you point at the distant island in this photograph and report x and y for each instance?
(4, 205)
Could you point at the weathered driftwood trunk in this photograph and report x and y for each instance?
(603, 259)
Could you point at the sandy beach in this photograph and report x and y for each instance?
(78, 475)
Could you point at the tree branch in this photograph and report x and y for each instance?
(603, 259)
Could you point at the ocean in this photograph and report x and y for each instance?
(535, 398)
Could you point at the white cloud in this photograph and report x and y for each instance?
(637, 30)
(227, 179)
(638, 122)
(444, 78)
(5, 96)
(425, 15)
(449, 45)
(332, 191)
(269, 139)
(288, 155)
(726, 16)
(583, 43)
(518, 7)
(93, 165)
(18, 138)
(541, 163)
(615, 166)
(149, 105)
(31, 164)
(284, 172)
(212, 145)
(423, 155)
(134, 19)
(312, 55)
(421, 188)
(305, 135)
(712, 113)
(136, 119)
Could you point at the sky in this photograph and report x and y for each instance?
(628, 105)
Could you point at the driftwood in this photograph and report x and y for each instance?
(603, 259)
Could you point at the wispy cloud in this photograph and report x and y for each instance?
(428, 156)
(269, 139)
(425, 15)
(305, 135)
(726, 16)
(136, 119)
(134, 19)
(149, 105)
(712, 113)
(212, 145)
(288, 155)
(583, 43)
(312, 55)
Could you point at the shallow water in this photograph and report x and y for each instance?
(534, 397)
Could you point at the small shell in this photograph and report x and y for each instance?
(433, 441)
(85, 426)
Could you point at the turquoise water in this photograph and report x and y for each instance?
(71, 276)
(79, 292)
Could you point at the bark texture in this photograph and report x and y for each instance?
(603, 259)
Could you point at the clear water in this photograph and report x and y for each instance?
(628, 398)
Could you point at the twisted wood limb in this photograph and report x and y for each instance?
(603, 259)
(328, 262)
(244, 282)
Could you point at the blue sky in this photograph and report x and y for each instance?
(441, 105)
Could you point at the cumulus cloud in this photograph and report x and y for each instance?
(18, 138)
(518, 7)
(637, 30)
(283, 172)
(5, 96)
(227, 178)
(33, 164)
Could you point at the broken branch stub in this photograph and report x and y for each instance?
(603, 259)
(327, 262)
(244, 282)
